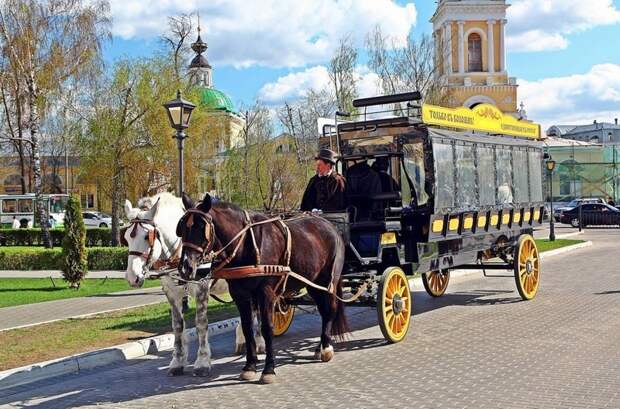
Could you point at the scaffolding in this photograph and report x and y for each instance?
(585, 170)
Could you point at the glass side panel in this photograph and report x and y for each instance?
(414, 166)
(535, 164)
(25, 205)
(521, 178)
(503, 167)
(444, 174)
(9, 206)
(465, 176)
(486, 175)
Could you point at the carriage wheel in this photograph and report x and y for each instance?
(394, 304)
(282, 318)
(436, 282)
(527, 267)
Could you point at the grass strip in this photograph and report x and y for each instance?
(62, 338)
(20, 291)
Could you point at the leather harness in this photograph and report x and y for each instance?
(258, 270)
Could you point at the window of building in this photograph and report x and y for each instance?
(474, 48)
(88, 200)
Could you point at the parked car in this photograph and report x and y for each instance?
(574, 203)
(96, 219)
(592, 214)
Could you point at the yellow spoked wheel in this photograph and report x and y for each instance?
(394, 304)
(436, 282)
(282, 318)
(527, 267)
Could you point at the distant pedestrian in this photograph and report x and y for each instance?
(15, 224)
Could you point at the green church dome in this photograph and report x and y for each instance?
(213, 99)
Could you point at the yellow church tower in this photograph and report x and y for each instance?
(470, 53)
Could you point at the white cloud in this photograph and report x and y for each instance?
(574, 99)
(296, 85)
(268, 32)
(542, 25)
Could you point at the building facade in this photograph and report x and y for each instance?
(597, 132)
(227, 124)
(470, 53)
(60, 175)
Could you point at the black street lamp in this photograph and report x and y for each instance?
(550, 166)
(179, 114)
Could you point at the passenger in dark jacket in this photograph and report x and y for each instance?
(325, 190)
(363, 183)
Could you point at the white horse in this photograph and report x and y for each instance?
(151, 237)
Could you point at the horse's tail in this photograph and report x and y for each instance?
(340, 326)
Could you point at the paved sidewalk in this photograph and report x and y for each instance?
(478, 346)
(57, 274)
(49, 311)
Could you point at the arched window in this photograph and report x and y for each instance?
(474, 48)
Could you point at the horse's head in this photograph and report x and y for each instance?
(197, 232)
(144, 240)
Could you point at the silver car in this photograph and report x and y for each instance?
(96, 219)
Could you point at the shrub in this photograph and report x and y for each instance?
(32, 258)
(33, 237)
(74, 262)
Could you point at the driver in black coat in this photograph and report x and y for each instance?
(325, 190)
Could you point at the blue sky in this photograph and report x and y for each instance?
(569, 73)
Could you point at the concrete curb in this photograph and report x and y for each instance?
(81, 362)
(139, 349)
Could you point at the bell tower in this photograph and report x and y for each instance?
(470, 53)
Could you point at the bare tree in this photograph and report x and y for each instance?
(410, 68)
(342, 74)
(46, 44)
(176, 40)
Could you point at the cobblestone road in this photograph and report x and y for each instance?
(479, 346)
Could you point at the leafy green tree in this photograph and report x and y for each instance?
(74, 261)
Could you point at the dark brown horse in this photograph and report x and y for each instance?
(317, 254)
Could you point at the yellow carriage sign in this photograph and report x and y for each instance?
(484, 118)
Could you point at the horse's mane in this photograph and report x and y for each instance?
(165, 199)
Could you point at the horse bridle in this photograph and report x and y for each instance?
(153, 235)
(209, 241)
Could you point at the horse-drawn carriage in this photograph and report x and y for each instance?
(453, 188)
(466, 199)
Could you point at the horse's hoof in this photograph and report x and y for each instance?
(267, 378)
(239, 349)
(247, 375)
(317, 354)
(175, 371)
(327, 354)
(202, 372)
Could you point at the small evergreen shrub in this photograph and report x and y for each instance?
(74, 260)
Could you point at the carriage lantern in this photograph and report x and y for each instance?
(179, 114)
(550, 166)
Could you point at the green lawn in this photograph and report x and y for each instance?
(546, 245)
(58, 339)
(18, 291)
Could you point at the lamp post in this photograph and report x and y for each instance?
(179, 113)
(550, 166)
